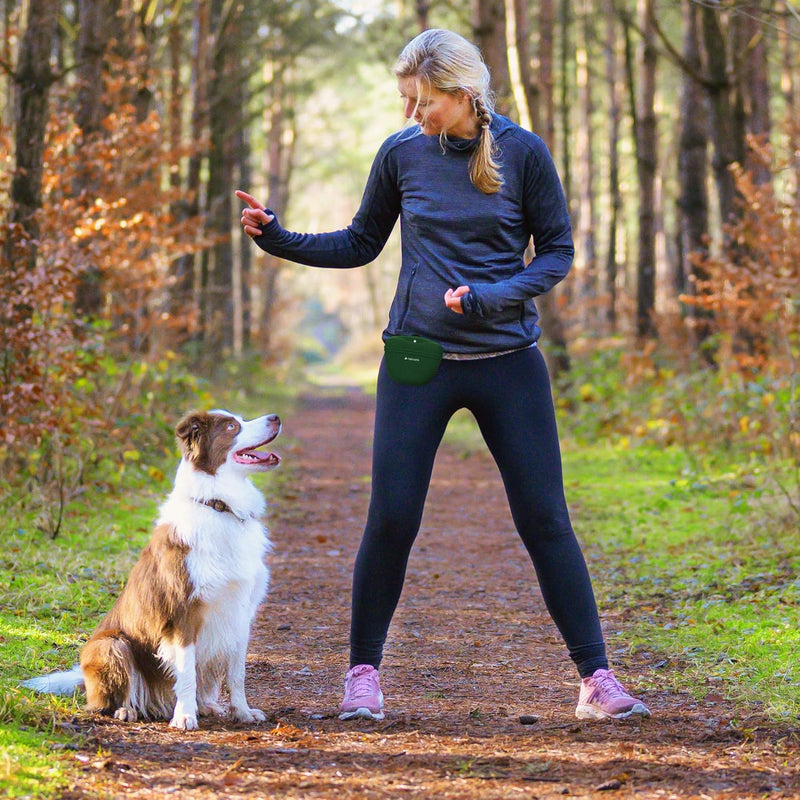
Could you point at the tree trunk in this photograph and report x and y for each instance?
(422, 8)
(586, 222)
(547, 91)
(615, 196)
(94, 32)
(279, 133)
(187, 274)
(524, 90)
(96, 20)
(32, 80)
(223, 112)
(790, 90)
(557, 352)
(646, 164)
(754, 67)
(727, 132)
(565, 20)
(692, 159)
(489, 32)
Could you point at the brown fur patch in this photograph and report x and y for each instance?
(153, 607)
(206, 439)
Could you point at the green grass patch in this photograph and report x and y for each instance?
(32, 764)
(57, 591)
(704, 567)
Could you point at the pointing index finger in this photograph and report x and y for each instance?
(249, 199)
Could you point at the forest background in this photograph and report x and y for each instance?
(129, 294)
(127, 126)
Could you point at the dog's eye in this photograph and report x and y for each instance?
(231, 426)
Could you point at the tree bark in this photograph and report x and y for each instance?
(727, 131)
(614, 193)
(32, 80)
(224, 111)
(646, 164)
(586, 222)
(754, 66)
(692, 174)
(489, 33)
(790, 90)
(557, 355)
(524, 90)
(692, 157)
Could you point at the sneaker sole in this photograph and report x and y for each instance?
(362, 713)
(592, 712)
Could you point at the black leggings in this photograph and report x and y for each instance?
(510, 398)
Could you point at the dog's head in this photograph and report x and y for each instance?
(212, 439)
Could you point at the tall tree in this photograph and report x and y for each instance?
(97, 29)
(489, 33)
(753, 59)
(692, 155)
(558, 359)
(726, 108)
(33, 78)
(614, 191)
(186, 271)
(586, 221)
(646, 165)
(790, 88)
(225, 116)
(523, 87)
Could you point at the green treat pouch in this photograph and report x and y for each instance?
(412, 359)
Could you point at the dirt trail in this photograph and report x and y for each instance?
(470, 651)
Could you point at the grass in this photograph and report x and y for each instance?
(706, 568)
(57, 590)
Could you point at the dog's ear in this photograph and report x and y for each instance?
(189, 432)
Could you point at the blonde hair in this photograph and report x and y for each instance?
(448, 62)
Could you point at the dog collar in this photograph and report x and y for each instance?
(219, 505)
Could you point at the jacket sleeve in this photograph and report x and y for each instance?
(358, 243)
(547, 218)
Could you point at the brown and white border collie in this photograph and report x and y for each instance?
(178, 633)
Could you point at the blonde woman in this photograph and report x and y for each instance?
(470, 188)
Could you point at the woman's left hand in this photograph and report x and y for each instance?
(452, 298)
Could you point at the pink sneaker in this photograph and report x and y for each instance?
(363, 697)
(602, 696)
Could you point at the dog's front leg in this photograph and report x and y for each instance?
(185, 714)
(240, 709)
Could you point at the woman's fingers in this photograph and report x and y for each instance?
(249, 199)
(254, 216)
(452, 298)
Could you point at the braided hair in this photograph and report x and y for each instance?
(448, 62)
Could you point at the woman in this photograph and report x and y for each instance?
(471, 188)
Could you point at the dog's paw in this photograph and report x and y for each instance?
(184, 722)
(124, 714)
(209, 707)
(248, 715)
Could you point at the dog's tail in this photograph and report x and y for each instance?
(64, 683)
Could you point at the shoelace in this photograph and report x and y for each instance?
(361, 683)
(607, 687)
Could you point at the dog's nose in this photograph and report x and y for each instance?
(274, 418)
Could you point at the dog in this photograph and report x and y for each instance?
(178, 632)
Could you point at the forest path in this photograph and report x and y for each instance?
(471, 650)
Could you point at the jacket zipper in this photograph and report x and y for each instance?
(408, 297)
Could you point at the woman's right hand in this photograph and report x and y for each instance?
(254, 216)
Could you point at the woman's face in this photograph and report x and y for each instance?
(437, 111)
